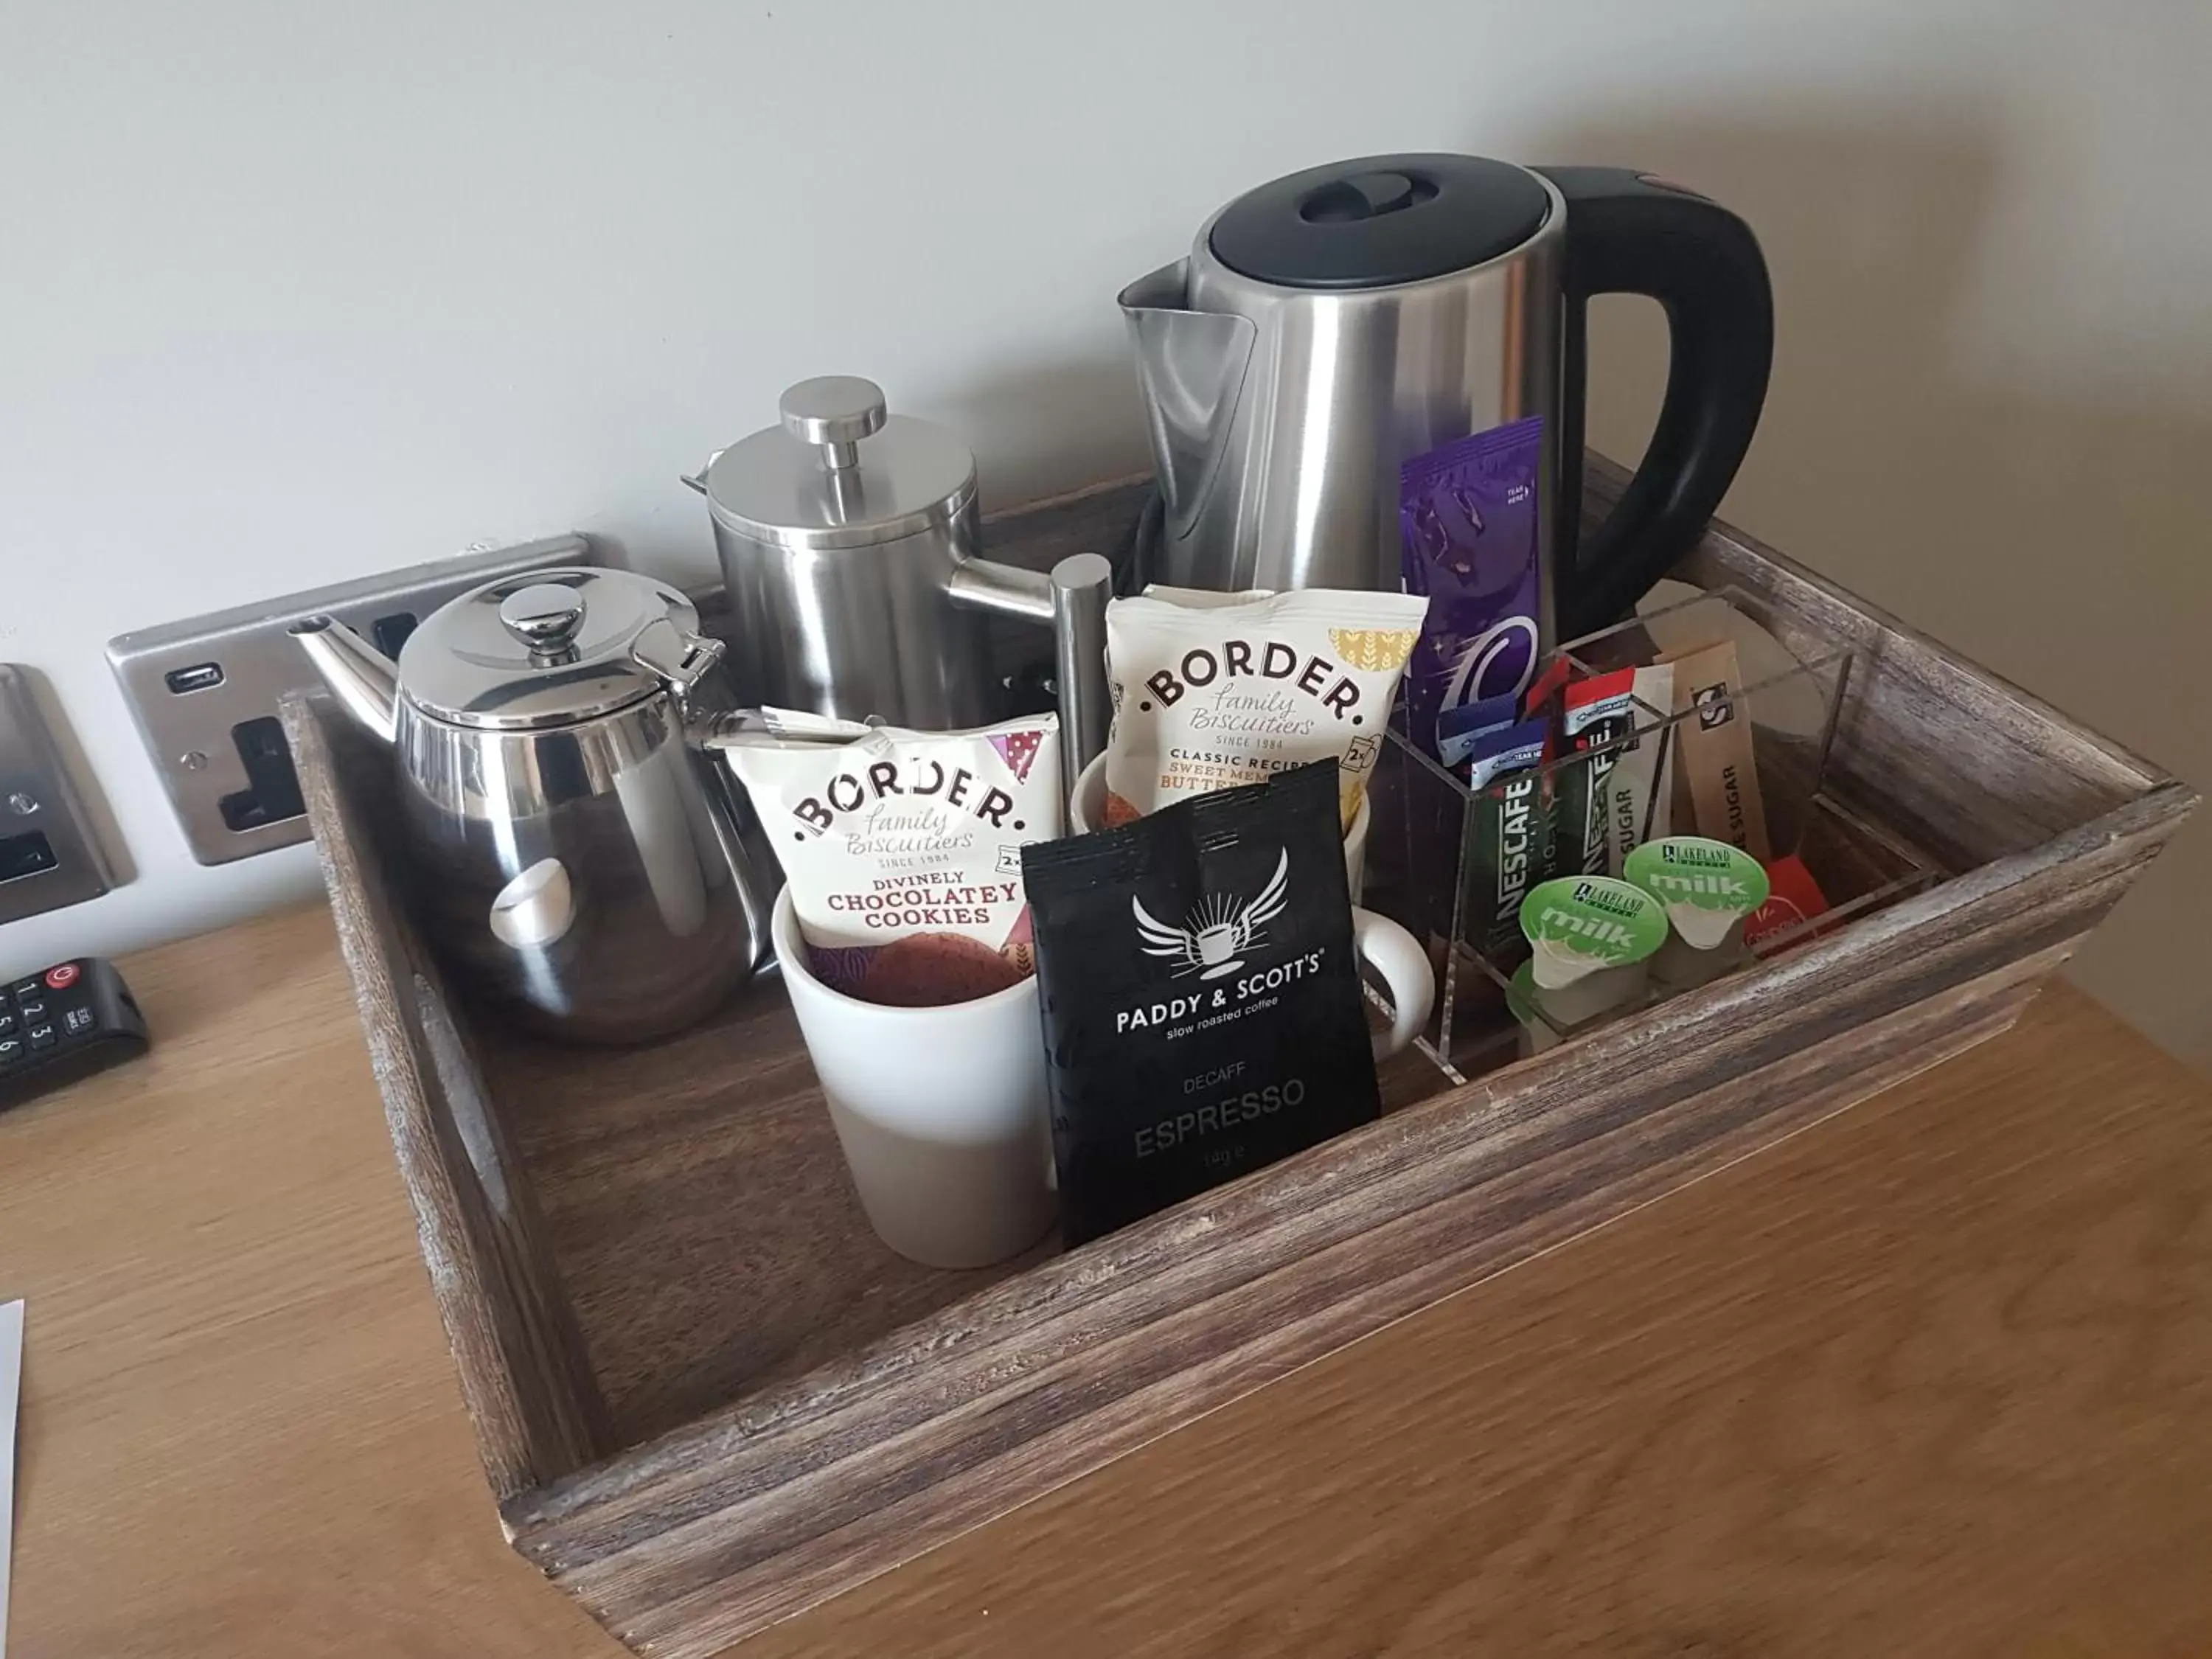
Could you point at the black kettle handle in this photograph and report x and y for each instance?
(1628, 232)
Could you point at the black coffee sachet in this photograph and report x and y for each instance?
(1201, 1001)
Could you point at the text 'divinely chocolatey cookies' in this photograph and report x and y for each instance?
(1200, 998)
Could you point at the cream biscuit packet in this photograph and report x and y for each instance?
(1214, 690)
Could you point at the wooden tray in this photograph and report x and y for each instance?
(706, 1398)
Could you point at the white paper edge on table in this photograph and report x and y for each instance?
(11, 1379)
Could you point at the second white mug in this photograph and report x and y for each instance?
(1087, 811)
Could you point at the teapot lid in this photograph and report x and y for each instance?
(1379, 220)
(553, 647)
(840, 472)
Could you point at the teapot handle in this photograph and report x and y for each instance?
(681, 659)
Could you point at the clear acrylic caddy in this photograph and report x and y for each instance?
(1452, 863)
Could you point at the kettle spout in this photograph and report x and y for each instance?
(363, 676)
(1190, 368)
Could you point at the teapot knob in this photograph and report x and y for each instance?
(543, 616)
(834, 411)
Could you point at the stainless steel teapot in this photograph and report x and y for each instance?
(574, 856)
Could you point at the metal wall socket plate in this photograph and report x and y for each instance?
(49, 856)
(203, 692)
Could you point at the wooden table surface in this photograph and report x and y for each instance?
(1935, 1376)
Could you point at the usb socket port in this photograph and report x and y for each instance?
(200, 677)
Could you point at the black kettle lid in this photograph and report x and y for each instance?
(1379, 220)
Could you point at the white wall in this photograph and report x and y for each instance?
(292, 292)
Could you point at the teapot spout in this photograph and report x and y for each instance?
(1190, 368)
(362, 677)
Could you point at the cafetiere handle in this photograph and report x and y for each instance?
(1629, 232)
(1073, 598)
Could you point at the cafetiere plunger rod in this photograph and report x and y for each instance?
(834, 411)
(1081, 585)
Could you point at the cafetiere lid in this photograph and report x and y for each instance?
(840, 472)
(551, 648)
(1379, 220)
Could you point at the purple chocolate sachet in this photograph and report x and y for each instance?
(1467, 515)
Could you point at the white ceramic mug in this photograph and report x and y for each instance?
(942, 1112)
(1385, 949)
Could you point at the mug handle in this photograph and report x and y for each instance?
(1396, 958)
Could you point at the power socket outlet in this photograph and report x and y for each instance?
(203, 692)
(48, 854)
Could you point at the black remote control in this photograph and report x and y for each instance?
(75, 1018)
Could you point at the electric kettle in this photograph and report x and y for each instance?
(575, 857)
(1331, 325)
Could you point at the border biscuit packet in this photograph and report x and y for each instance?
(904, 853)
(1214, 690)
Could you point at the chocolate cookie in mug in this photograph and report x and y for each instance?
(1216, 691)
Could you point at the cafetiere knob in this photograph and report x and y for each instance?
(543, 616)
(834, 411)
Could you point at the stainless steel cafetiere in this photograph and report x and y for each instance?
(1331, 325)
(574, 856)
(850, 544)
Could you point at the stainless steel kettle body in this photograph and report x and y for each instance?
(1284, 473)
(1329, 326)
